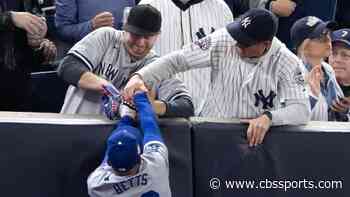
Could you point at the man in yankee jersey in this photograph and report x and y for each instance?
(186, 21)
(107, 57)
(255, 77)
(134, 166)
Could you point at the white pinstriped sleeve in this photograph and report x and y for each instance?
(192, 56)
(293, 92)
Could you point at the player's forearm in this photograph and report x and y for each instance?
(295, 113)
(147, 118)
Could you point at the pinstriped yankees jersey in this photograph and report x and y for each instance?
(183, 27)
(239, 87)
(104, 54)
(151, 180)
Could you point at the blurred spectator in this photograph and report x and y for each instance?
(281, 8)
(23, 46)
(186, 21)
(288, 12)
(75, 19)
(311, 39)
(343, 13)
(340, 61)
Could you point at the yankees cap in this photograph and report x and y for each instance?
(342, 35)
(254, 26)
(143, 20)
(309, 27)
(124, 148)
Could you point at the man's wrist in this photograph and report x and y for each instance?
(268, 114)
(136, 75)
(160, 107)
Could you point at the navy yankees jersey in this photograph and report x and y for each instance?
(152, 180)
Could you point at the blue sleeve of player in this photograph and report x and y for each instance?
(124, 121)
(147, 118)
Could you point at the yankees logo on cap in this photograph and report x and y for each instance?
(247, 30)
(245, 22)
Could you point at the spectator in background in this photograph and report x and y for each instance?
(342, 15)
(288, 11)
(22, 47)
(311, 39)
(186, 21)
(281, 8)
(76, 18)
(340, 61)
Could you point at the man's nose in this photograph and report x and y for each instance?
(141, 41)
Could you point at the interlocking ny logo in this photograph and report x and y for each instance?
(311, 21)
(266, 101)
(246, 21)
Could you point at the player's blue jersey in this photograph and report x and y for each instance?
(152, 180)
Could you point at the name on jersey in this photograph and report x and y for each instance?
(136, 181)
(111, 72)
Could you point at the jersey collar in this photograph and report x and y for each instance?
(184, 7)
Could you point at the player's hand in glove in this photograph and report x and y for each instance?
(257, 129)
(111, 100)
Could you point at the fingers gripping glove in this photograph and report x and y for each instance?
(111, 100)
